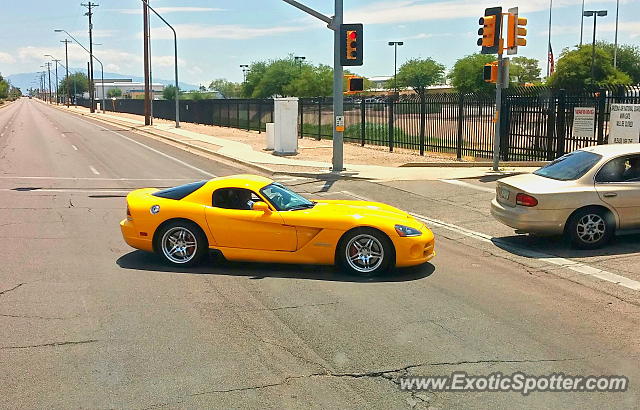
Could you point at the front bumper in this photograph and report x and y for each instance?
(132, 237)
(414, 250)
(541, 221)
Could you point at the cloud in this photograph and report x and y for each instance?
(167, 10)
(405, 11)
(95, 33)
(630, 27)
(227, 32)
(6, 58)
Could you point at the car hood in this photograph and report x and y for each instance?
(327, 213)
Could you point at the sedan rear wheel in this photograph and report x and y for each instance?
(181, 243)
(365, 252)
(590, 228)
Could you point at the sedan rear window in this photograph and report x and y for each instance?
(569, 167)
(181, 191)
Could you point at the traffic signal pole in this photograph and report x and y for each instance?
(338, 101)
(337, 164)
(499, 85)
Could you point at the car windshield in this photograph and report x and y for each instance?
(284, 199)
(569, 167)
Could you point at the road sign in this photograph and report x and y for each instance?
(624, 124)
(584, 122)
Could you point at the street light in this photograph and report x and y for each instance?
(299, 59)
(395, 45)
(175, 47)
(90, 54)
(245, 70)
(595, 14)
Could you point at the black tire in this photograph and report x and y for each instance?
(365, 264)
(590, 228)
(169, 236)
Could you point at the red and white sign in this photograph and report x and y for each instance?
(584, 122)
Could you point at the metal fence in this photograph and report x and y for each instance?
(537, 122)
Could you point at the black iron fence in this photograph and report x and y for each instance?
(537, 122)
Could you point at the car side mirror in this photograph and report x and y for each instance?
(261, 206)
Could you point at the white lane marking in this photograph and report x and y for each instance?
(468, 185)
(99, 179)
(541, 256)
(202, 171)
(95, 171)
(74, 147)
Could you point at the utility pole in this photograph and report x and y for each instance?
(57, 82)
(48, 64)
(245, 69)
(66, 61)
(89, 13)
(147, 101)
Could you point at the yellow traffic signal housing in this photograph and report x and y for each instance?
(516, 31)
(351, 44)
(355, 84)
(491, 30)
(490, 73)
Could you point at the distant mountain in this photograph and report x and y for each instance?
(24, 81)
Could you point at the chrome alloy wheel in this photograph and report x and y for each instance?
(364, 253)
(591, 228)
(179, 245)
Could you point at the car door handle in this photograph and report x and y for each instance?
(610, 195)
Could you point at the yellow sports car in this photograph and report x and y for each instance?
(252, 218)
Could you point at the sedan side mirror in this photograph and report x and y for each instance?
(261, 206)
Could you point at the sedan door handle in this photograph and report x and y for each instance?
(610, 195)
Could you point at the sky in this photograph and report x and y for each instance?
(216, 36)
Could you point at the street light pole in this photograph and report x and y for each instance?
(595, 14)
(57, 82)
(48, 64)
(581, 23)
(395, 45)
(175, 46)
(66, 61)
(93, 58)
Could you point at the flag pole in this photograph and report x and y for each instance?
(549, 44)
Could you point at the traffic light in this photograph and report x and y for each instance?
(491, 30)
(516, 32)
(354, 85)
(490, 73)
(351, 44)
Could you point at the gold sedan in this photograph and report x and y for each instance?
(586, 195)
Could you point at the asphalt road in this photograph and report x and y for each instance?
(89, 322)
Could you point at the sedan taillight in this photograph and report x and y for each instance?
(526, 200)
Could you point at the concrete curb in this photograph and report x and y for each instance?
(259, 168)
(484, 164)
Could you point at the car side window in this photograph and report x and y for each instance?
(234, 198)
(622, 169)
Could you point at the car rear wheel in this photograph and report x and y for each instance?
(365, 252)
(181, 243)
(590, 228)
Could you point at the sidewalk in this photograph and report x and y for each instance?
(314, 159)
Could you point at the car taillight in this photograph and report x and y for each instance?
(526, 200)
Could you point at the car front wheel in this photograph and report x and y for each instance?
(181, 243)
(590, 228)
(365, 252)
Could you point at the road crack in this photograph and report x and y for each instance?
(52, 344)
(13, 288)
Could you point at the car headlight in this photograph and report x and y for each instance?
(407, 231)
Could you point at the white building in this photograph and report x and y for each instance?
(128, 88)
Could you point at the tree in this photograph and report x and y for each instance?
(169, 92)
(4, 88)
(227, 88)
(77, 83)
(523, 70)
(466, 75)
(114, 93)
(574, 69)
(311, 81)
(276, 76)
(628, 59)
(419, 75)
